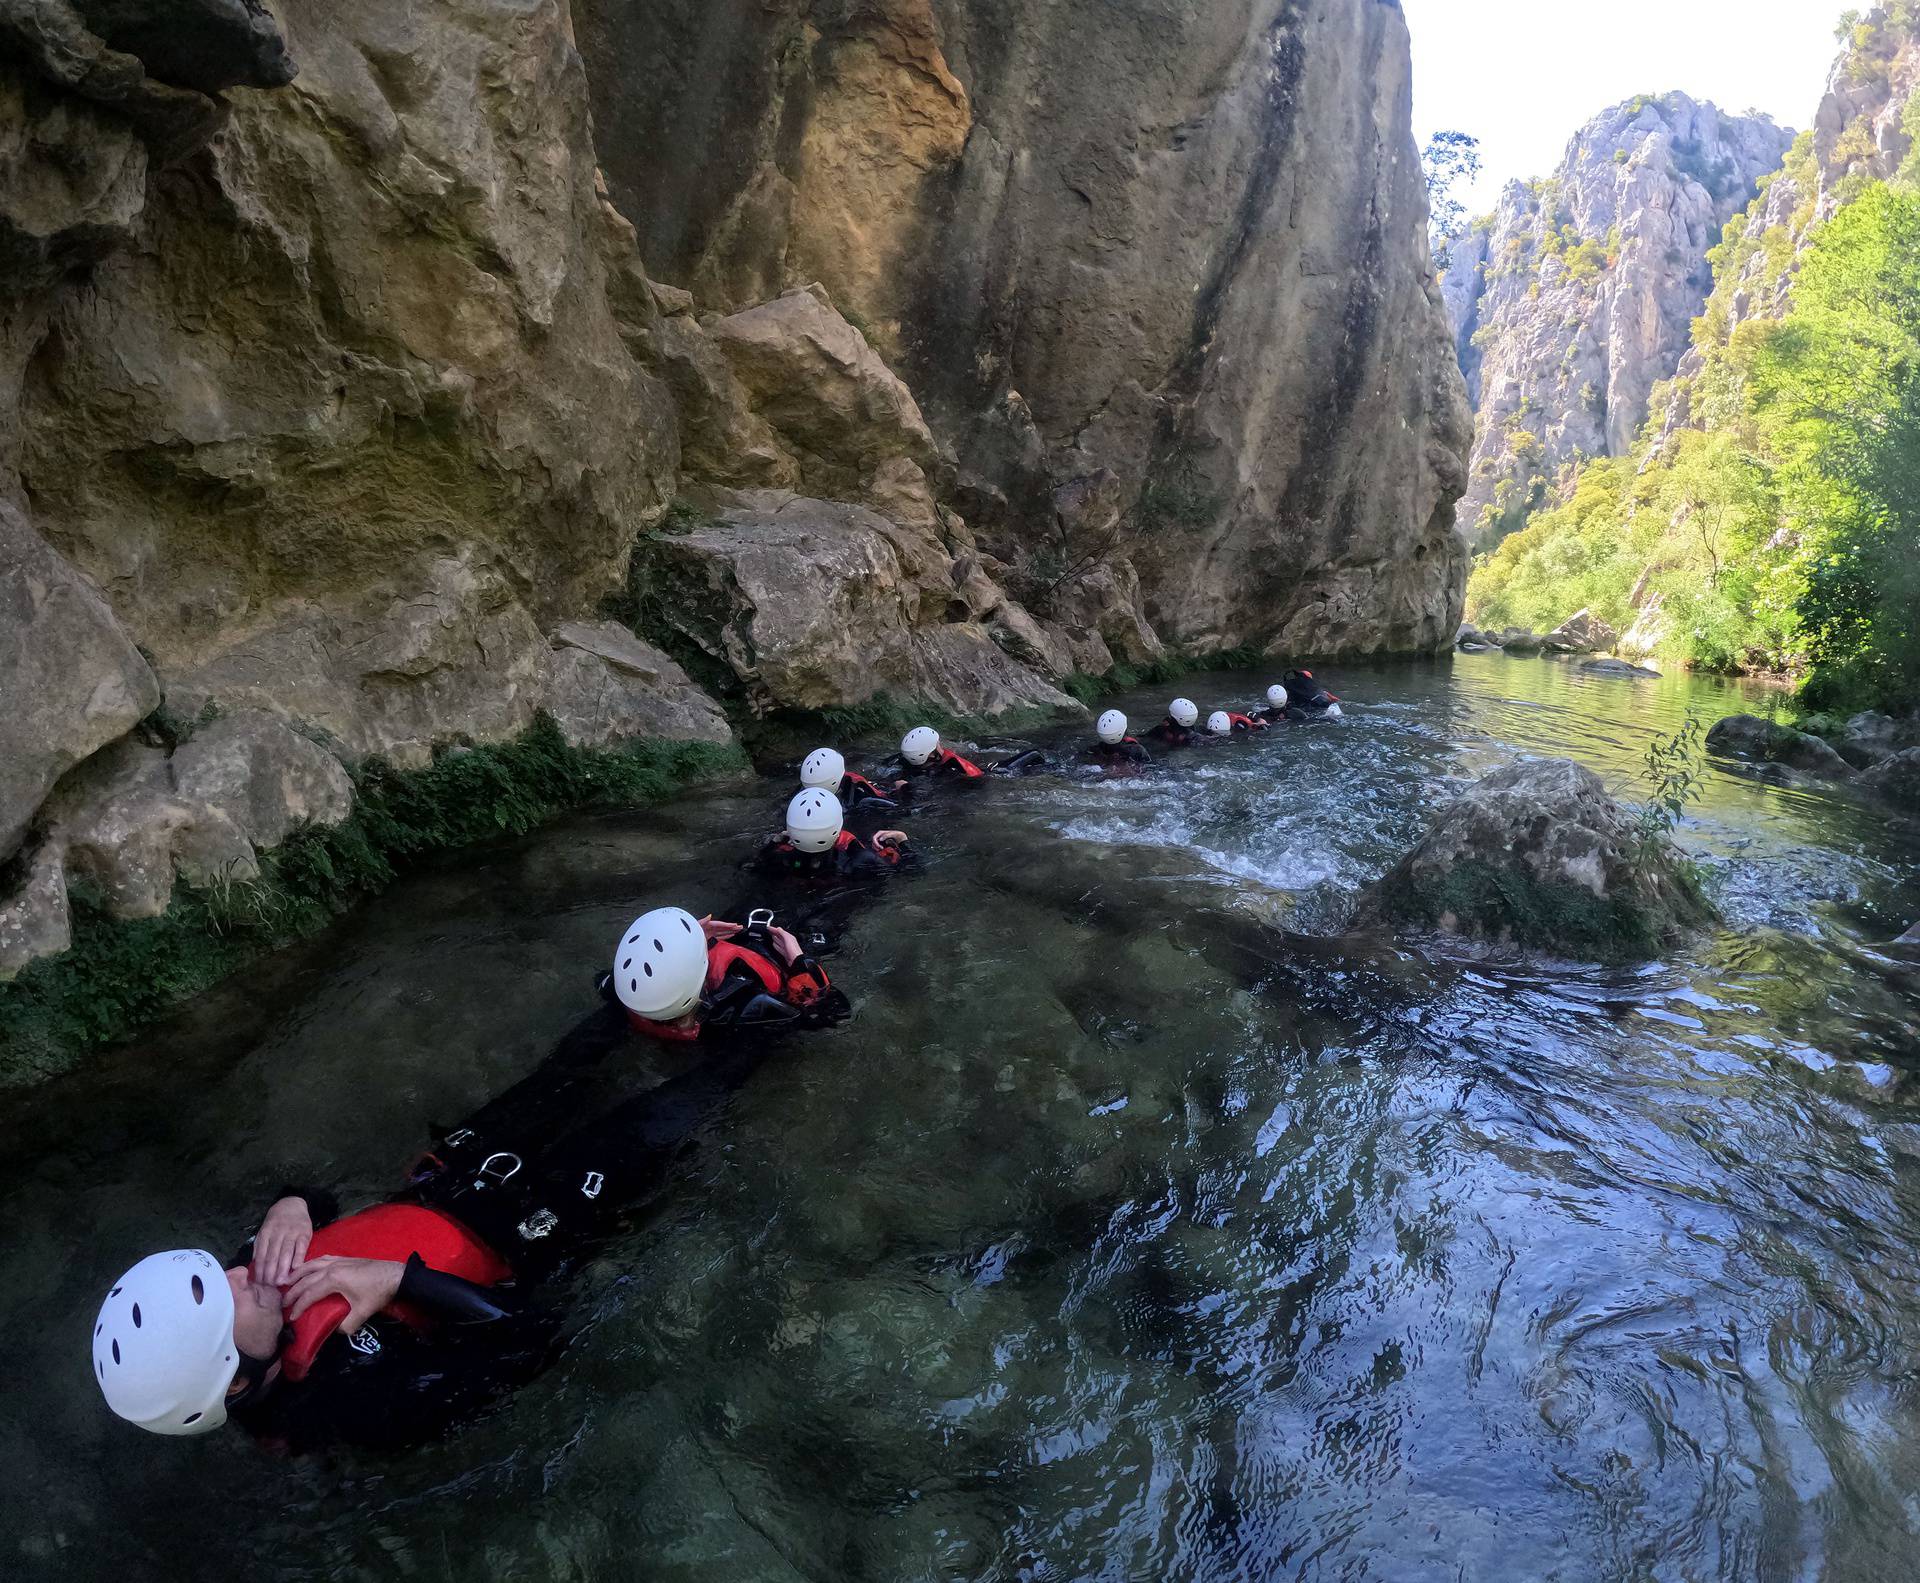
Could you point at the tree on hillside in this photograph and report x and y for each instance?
(1841, 377)
(1451, 161)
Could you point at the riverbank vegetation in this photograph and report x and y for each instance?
(120, 974)
(1771, 519)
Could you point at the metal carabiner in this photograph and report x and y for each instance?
(487, 1173)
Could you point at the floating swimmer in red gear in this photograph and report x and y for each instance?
(825, 769)
(1116, 750)
(1224, 723)
(1178, 730)
(925, 757)
(816, 845)
(678, 977)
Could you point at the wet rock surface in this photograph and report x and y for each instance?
(1764, 742)
(1540, 855)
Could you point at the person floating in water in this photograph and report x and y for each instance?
(1178, 730)
(816, 845)
(1276, 712)
(924, 757)
(1115, 749)
(1309, 698)
(1225, 723)
(824, 769)
(679, 978)
(393, 1324)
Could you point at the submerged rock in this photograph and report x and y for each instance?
(1540, 855)
(1518, 640)
(1763, 742)
(1896, 778)
(1617, 668)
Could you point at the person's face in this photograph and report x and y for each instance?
(256, 1314)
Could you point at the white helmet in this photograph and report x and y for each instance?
(661, 965)
(1277, 696)
(920, 744)
(1220, 723)
(814, 820)
(823, 768)
(1112, 728)
(163, 1347)
(1184, 712)
(1333, 711)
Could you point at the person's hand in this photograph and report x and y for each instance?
(714, 929)
(368, 1285)
(281, 1242)
(902, 784)
(784, 943)
(890, 838)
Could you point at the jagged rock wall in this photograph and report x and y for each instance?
(1863, 132)
(331, 408)
(1157, 274)
(1577, 297)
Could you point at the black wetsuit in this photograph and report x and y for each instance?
(1171, 734)
(1305, 696)
(848, 859)
(551, 1192)
(1126, 753)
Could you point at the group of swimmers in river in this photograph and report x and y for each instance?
(392, 1323)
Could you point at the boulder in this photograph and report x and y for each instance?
(1896, 778)
(1518, 640)
(821, 605)
(1540, 855)
(35, 920)
(1870, 737)
(1910, 941)
(71, 680)
(1582, 633)
(263, 775)
(812, 376)
(130, 835)
(1617, 668)
(1763, 742)
(607, 686)
(722, 439)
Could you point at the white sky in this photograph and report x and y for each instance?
(1524, 75)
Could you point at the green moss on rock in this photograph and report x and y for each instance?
(120, 975)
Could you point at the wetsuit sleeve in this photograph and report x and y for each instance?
(1138, 754)
(451, 1300)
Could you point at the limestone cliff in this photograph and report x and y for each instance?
(339, 413)
(1863, 132)
(1576, 297)
(1158, 275)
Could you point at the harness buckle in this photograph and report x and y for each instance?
(454, 1139)
(759, 920)
(537, 1225)
(590, 1188)
(490, 1172)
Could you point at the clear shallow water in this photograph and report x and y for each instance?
(1136, 1228)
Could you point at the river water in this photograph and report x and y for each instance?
(1137, 1226)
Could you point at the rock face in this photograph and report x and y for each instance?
(1539, 855)
(335, 394)
(1896, 778)
(1179, 246)
(1763, 742)
(1578, 295)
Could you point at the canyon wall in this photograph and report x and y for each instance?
(1577, 296)
(347, 407)
(1158, 274)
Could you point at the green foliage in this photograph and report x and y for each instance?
(1169, 668)
(120, 975)
(1451, 160)
(1674, 775)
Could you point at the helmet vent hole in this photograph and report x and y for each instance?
(101, 1367)
(658, 946)
(136, 1316)
(647, 968)
(633, 983)
(199, 1290)
(628, 962)
(685, 927)
(116, 1349)
(191, 1418)
(115, 1292)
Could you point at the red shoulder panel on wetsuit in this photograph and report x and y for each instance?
(396, 1232)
